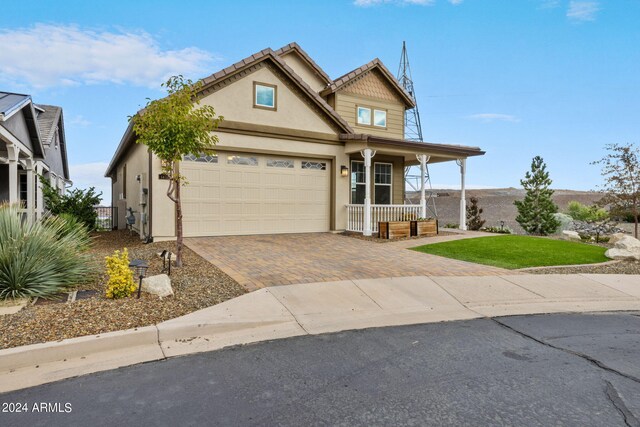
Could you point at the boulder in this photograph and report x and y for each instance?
(616, 237)
(159, 285)
(625, 247)
(571, 235)
(616, 253)
(628, 243)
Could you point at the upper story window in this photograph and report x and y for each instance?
(380, 118)
(364, 116)
(265, 96)
(371, 117)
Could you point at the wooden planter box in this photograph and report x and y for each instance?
(427, 227)
(394, 229)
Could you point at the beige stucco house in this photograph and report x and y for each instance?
(298, 152)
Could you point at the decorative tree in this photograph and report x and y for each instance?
(474, 221)
(535, 212)
(621, 172)
(173, 127)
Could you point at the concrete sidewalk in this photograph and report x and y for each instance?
(287, 311)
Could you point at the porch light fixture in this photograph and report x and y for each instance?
(139, 267)
(344, 171)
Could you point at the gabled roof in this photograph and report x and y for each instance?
(239, 67)
(48, 121)
(11, 102)
(268, 54)
(294, 47)
(376, 64)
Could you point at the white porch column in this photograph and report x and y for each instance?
(423, 158)
(29, 166)
(367, 153)
(14, 153)
(39, 195)
(463, 198)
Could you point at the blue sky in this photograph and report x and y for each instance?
(519, 78)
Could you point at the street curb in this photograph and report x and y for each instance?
(33, 355)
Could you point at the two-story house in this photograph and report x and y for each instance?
(298, 152)
(32, 144)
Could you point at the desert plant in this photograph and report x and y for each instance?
(40, 258)
(535, 212)
(474, 212)
(121, 283)
(580, 212)
(77, 202)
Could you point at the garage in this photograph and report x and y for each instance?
(241, 193)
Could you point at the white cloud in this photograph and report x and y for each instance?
(367, 3)
(51, 55)
(550, 4)
(582, 11)
(455, 2)
(493, 117)
(87, 175)
(78, 121)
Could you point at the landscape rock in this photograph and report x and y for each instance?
(159, 285)
(616, 237)
(571, 235)
(625, 247)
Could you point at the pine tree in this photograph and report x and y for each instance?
(535, 212)
(474, 221)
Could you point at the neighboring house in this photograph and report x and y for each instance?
(32, 143)
(298, 152)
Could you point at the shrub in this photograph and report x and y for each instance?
(451, 225)
(499, 230)
(40, 259)
(121, 283)
(580, 212)
(77, 202)
(474, 212)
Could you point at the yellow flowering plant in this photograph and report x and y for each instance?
(121, 283)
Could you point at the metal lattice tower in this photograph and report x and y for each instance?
(413, 132)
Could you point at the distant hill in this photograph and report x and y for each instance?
(497, 203)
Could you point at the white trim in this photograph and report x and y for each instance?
(357, 183)
(15, 109)
(390, 185)
(10, 139)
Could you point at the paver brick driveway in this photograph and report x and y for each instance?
(283, 259)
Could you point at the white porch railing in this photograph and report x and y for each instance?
(380, 213)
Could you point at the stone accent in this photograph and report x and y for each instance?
(159, 285)
(626, 247)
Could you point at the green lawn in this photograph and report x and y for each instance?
(517, 251)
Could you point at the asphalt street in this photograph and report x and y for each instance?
(547, 370)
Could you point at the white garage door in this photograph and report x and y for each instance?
(234, 193)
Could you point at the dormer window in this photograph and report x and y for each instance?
(264, 96)
(366, 118)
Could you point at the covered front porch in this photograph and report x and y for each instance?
(19, 177)
(378, 187)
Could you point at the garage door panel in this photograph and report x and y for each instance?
(224, 198)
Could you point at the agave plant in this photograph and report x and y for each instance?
(40, 258)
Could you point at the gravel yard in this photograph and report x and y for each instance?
(197, 285)
(621, 267)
